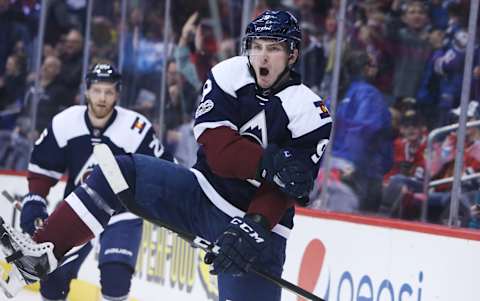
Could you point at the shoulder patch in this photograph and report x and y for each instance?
(305, 110)
(138, 125)
(204, 107)
(128, 129)
(323, 109)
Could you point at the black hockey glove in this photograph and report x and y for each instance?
(34, 212)
(280, 167)
(240, 245)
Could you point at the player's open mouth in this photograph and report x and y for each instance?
(264, 71)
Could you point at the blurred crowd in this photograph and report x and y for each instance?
(401, 77)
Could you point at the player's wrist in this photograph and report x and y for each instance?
(265, 170)
(259, 219)
(33, 197)
(34, 211)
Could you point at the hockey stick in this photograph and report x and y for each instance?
(118, 184)
(18, 205)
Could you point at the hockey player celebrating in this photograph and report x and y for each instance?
(261, 133)
(67, 146)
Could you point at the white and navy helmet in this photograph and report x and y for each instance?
(103, 73)
(280, 25)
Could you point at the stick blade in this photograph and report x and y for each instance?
(109, 166)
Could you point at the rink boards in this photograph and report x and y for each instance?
(338, 256)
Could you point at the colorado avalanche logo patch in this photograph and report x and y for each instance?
(204, 107)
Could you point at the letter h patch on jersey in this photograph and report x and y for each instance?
(138, 125)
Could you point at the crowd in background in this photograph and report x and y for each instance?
(401, 77)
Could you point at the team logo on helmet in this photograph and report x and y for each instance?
(274, 24)
(103, 73)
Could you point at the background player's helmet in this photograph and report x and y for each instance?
(274, 24)
(103, 73)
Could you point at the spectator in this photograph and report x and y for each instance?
(362, 147)
(328, 40)
(443, 161)
(439, 13)
(456, 21)
(409, 147)
(231, 19)
(145, 103)
(312, 59)
(181, 98)
(428, 94)
(180, 101)
(409, 47)
(58, 22)
(197, 49)
(180, 104)
(145, 53)
(72, 61)
(12, 85)
(150, 50)
(182, 52)
(228, 48)
(371, 36)
(54, 96)
(205, 51)
(77, 13)
(10, 33)
(104, 46)
(406, 176)
(341, 196)
(449, 68)
(106, 9)
(444, 152)
(308, 12)
(15, 146)
(133, 34)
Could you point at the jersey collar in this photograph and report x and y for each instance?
(96, 131)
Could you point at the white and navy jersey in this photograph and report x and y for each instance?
(293, 118)
(66, 146)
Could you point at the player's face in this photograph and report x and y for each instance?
(269, 58)
(101, 99)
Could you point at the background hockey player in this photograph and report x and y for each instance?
(66, 147)
(261, 134)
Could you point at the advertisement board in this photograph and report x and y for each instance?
(340, 257)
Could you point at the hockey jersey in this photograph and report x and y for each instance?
(293, 118)
(409, 158)
(66, 145)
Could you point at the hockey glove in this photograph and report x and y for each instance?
(240, 245)
(34, 209)
(280, 167)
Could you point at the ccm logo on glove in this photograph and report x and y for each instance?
(247, 229)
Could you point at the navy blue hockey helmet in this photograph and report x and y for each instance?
(103, 73)
(274, 24)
